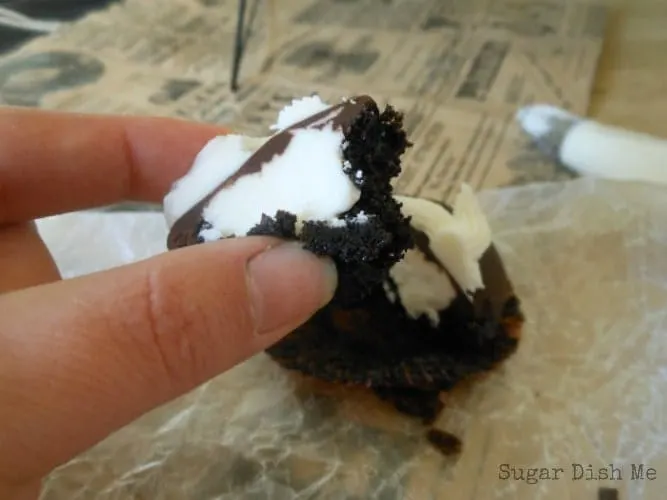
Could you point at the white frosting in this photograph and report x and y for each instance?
(298, 110)
(292, 181)
(458, 240)
(423, 287)
(220, 158)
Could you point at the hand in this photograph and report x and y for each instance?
(81, 358)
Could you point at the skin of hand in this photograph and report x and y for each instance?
(82, 357)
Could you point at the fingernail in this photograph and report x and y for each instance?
(287, 285)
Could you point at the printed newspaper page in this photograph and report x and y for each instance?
(457, 69)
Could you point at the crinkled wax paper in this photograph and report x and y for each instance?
(588, 384)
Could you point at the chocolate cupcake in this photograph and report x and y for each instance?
(446, 311)
(423, 300)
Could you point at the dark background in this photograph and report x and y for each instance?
(57, 10)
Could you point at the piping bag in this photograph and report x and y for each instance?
(591, 148)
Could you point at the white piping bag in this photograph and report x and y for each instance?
(590, 148)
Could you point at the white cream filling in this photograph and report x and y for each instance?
(458, 240)
(308, 179)
(298, 110)
(218, 160)
(423, 288)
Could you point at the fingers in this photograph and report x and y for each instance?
(53, 163)
(13, 491)
(24, 259)
(83, 357)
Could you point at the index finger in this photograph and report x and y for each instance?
(52, 162)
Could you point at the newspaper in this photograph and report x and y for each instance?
(457, 69)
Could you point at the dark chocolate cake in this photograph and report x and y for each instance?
(404, 360)
(423, 300)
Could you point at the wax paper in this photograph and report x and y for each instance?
(588, 384)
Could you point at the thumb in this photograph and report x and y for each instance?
(83, 357)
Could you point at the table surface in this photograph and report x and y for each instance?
(631, 84)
